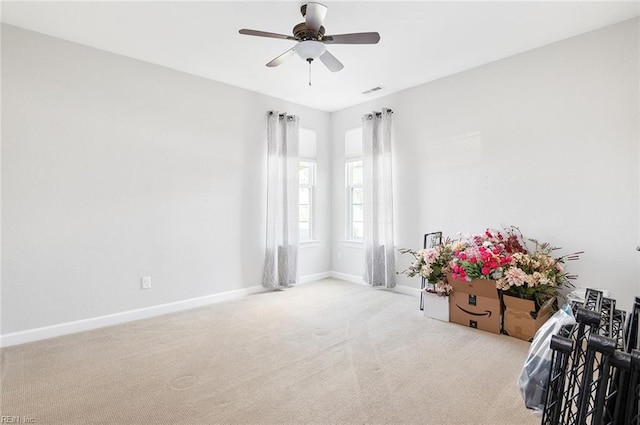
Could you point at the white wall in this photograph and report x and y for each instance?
(114, 169)
(558, 155)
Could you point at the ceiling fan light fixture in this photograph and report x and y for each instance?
(310, 49)
(311, 39)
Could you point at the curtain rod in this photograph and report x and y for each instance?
(377, 114)
(284, 115)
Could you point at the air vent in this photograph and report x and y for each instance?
(372, 90)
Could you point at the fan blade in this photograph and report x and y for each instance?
(266, 34)
(331, 62)
(277, 61)
(355, 38)
(315, 16)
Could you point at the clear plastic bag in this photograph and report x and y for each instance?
(535, 372)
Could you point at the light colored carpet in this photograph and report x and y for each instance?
(328, 352)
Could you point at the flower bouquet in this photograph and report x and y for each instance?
(485, 256)
(536, 274)
(433, 265)
(504, 256)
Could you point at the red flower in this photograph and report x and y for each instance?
(473, 260)
(485, 270)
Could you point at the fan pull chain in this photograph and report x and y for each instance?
(309, 60)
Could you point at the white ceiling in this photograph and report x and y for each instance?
(420, 40)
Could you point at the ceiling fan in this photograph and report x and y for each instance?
(311, 38)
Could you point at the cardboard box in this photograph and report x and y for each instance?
(436, 307)
(475, 304)
(521, 320)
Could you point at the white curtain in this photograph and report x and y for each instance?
(281, 257)
(379, 247)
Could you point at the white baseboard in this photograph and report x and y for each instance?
(407, 290)
(313, 277)
(67, 328)
(357, 279)
(347, 277)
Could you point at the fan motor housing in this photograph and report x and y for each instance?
(301, 32)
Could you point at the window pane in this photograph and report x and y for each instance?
(356, 195)
(303, 211)
(357, 230)
(303, 195)
(356, 212)
(356, 172)
(305, 198)
(304, 231)
(305, 175)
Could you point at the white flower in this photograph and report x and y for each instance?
(502, 284)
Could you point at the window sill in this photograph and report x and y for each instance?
(309, 244)
(352, 243)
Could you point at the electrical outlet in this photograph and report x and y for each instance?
(146, 282)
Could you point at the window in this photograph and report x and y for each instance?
(306, 195)
(354, 226)
(355, 222)
(305, 198)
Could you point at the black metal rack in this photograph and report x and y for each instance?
(595, 367)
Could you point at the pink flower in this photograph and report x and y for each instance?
(463, 256)
(516, 276)
(485, 270)
(473, 260)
